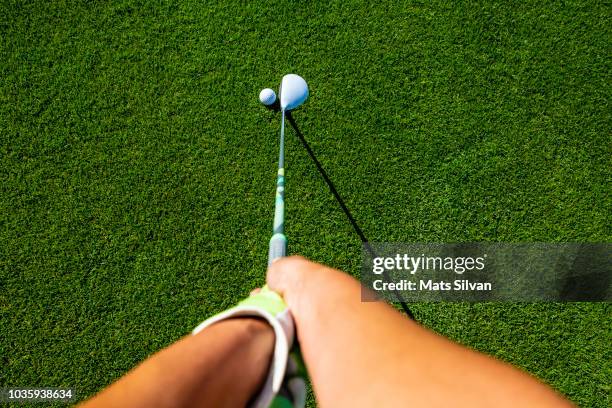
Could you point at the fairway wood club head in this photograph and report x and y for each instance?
(293, 92)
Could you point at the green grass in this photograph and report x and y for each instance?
(138, 166)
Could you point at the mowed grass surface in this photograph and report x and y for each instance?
(138, 167)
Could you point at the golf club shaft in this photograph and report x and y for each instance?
(278, 242)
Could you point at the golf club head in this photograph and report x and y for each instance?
(293, 92)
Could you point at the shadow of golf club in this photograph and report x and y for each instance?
(345, 209)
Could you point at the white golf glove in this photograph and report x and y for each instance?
(284, 385)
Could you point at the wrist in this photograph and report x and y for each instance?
(270, 307)
(247, 327)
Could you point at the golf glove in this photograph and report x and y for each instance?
(284, 386)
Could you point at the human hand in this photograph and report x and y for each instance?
(307, 286)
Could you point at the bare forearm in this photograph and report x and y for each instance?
(371, 351)
(224, 365)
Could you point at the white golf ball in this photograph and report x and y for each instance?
(267, 96)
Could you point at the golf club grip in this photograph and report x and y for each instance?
(278, 247)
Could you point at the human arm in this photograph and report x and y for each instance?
(222, 366)
(366, 353)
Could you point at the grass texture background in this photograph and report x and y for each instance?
(138, 167)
